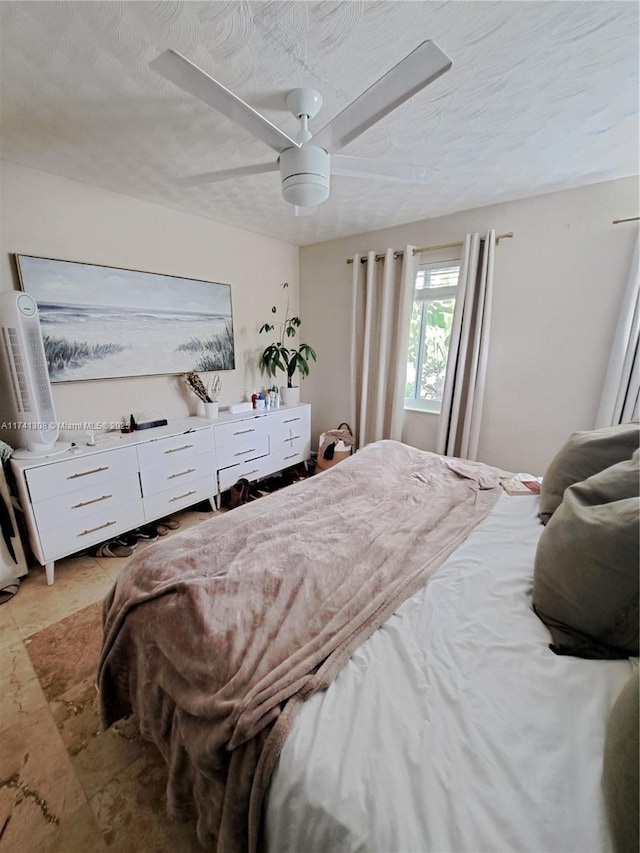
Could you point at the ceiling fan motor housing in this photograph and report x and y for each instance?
(305, 175)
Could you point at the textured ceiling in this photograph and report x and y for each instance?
(541, 96)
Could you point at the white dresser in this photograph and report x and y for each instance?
(91, 494)
(258, 443)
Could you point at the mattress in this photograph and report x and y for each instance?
(454, 727)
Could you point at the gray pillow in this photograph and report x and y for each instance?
(585, 454)
(585, 583)
(620, 769)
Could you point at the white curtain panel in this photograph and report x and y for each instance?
(621, 393)
(382, 295)
(462, 399)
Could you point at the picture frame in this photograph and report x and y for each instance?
(101, 322)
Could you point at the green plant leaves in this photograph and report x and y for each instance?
(277, 356)
(274, 357)
(307, 351)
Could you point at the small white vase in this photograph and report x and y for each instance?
(289, 396)
(210, 411)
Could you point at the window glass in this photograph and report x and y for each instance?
(430, 334)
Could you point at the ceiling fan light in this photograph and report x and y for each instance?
(305, 175)
(306, 190)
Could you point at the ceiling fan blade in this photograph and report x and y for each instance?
(421, 67)
(358, 167)
(179, 70)
(225, 174)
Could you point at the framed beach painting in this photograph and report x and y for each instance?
(104, 322)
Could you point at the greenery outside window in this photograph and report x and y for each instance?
(430, 333)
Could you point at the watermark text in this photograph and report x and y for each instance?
(85, 426)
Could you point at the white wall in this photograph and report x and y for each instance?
(558, 286)
(41, 214)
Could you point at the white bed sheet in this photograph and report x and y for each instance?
(454, 727)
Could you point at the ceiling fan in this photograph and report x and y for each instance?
(305, 166)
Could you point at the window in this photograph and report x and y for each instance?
(429, 334)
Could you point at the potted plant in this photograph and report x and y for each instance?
(277, 356)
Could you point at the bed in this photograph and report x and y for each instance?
(353, 664)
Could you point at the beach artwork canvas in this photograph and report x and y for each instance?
(103, 322)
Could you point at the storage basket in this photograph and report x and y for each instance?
(335, 452)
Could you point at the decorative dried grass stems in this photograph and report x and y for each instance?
(215, 387)
(200, 390)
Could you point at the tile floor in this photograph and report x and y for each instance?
(65, 786)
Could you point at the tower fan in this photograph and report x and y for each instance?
(26, 377)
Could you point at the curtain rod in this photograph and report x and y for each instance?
(423, 249)
(628, 219)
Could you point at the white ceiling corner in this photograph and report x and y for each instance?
(541, 96)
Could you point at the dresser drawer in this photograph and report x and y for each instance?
(250, 445)
(287, 425)
(59, 478)
(178, 497)
(84, 502)
(231, 434)
(176, 447)
(97, 527)
(288, 455)
(294, 427)
(176, 472)
(253, 469)
(290, 438)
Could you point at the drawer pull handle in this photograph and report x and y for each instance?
(244, 431)
(94, 501)
(291, 420)
(186, 495)
(86, 473)
(181, 474)
(249, 473)
(93, 529)
(292, 456)
(176, 449)
(244, 452)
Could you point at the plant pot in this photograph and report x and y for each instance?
(210, 411)
(289, 396)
